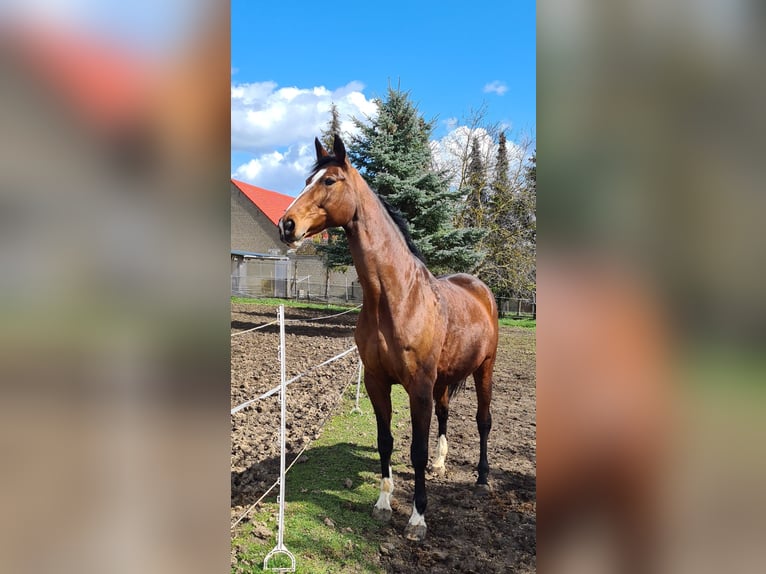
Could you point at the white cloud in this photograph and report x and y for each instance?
(496, 87)
(282, 172)
(265, 116)
(451, 152)
(450, 123)
(277, 126)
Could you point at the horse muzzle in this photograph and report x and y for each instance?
(287, 231)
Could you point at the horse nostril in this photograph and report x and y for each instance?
(289, 226)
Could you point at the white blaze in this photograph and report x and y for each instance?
(310, 184)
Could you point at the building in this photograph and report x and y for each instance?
(263, 266)
(255, 213)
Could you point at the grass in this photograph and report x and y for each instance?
(289, 303)
(328, 525)
(526, 323)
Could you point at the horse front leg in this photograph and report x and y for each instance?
(380, 396)
(421, 404)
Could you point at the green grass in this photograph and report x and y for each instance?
(291, 303)
(524, 323)
(328, 526)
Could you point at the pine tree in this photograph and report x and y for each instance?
(333, 127)
(509, 268)
(501, 181)
(475, 190)
(393, 153)
(335, 253)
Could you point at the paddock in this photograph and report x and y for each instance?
(496, 534)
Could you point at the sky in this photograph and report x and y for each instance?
(290, 60)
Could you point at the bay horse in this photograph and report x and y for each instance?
(425, 333)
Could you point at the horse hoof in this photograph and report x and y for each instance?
(381, 514)
(482, 490)
(439, 471)
(416, 532)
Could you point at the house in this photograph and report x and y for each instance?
(255, 213)
(261, 265)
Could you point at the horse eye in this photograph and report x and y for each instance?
(329, 181)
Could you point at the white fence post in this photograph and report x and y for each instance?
(280, 548)
(356, 408)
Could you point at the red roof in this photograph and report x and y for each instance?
(271, 203)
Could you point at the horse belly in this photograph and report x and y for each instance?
(471, 332)
(462, 355)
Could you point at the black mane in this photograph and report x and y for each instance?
(396, 216)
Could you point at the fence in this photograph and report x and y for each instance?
(312, 288)
(516, 307)
(307, 288)
(280, 548)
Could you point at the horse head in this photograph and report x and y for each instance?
(326, 201)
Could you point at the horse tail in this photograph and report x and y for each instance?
(455, 388)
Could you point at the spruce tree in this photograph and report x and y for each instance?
(333, 127)
(335, 253)
(501, 181)
(509, 268)
(475, 190)
(393, 154)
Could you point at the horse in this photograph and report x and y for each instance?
(425, 333)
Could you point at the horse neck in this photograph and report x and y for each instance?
(384, 263)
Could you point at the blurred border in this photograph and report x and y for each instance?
(114, 239)
(651, 311)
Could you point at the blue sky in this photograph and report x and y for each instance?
(291, 59)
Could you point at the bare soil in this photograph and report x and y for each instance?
(466, 533)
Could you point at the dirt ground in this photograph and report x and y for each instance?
(466, 533)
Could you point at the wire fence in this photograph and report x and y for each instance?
(507, 306)
(517, 307)
(302, 320)
(357, 376)
(307, 288)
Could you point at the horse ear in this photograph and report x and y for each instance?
(339, 149)
(321, 152)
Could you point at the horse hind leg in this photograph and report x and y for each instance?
(442, 414)
(483, 379)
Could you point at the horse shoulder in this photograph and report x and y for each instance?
(401, 339)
